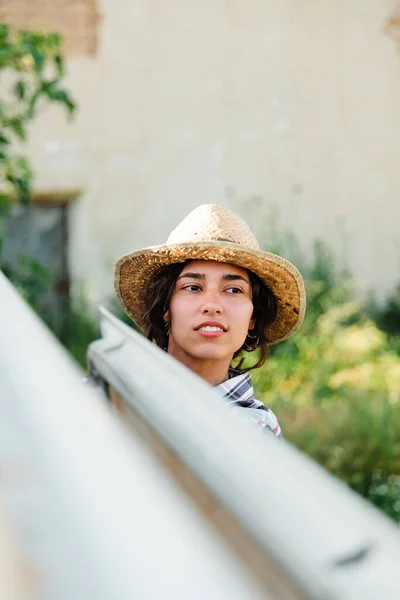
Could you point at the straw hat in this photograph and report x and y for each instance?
(211, 232)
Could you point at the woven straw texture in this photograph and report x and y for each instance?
(212, 232)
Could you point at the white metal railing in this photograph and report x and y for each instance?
(328, 541)
(95, 515)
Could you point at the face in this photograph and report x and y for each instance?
(210, 312)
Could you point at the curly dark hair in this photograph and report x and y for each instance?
(159, 294)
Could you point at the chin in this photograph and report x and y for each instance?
(210, 354)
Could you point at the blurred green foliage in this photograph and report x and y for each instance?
(30, 278)
(32, 70)
(388, 316)
(32, 64)
(83, 328)
(335, 386)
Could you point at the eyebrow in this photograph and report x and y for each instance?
(226, 277)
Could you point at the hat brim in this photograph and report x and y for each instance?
(134, 271)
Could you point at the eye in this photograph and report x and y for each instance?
(193, 287)
(234, 290)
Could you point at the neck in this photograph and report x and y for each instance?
(212, 371)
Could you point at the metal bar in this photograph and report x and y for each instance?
(18, 580)
(96, 515)
(271, 579)
(326, 539)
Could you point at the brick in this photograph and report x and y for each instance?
(76, 20)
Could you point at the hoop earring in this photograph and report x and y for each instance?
(252, 341)
(167, 327)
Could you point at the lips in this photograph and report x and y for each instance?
(211, 326)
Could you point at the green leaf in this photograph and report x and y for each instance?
(17, 127)
(32, 103)
(5, 206)
(6, 52)
(39, 61)
(53, 40)
(4, 31)
(63, 97)
(2, 156)
(4, 140)
(47, 85)
(24, 168)
(59, 63)
(20, 89)
(22, 188)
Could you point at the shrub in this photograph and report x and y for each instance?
(84, 327)
(35, 68)
(336, 389)
(388, 315)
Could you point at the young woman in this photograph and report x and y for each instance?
(209, 294)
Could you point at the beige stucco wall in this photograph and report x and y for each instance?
(296, 104)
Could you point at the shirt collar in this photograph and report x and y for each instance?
(238, 388)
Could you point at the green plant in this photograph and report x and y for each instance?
(387, 315)
(30, 278)
(83, 328)
(32, 71)
(335, 385)
(336, 390)
(32, 63)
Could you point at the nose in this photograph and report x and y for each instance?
(211, 304)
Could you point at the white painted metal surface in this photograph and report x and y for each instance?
(330, 542)
(95, 515)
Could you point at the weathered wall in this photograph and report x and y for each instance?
(188, 101)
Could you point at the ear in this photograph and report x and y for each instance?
(252, 324)
(166, 318)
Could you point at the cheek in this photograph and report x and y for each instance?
(242, 315)
(179, 307)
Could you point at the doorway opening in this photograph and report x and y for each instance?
(34, 256)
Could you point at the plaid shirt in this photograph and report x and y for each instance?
(238, 392)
